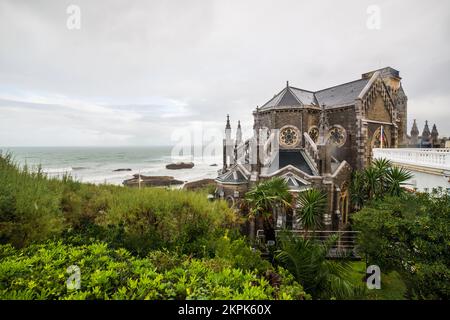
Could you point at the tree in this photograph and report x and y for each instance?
(396, 179)
(372, 181)
(381, 178)
(382, 166)
(264, 197)
(311, 206)
(410, 234)
(307, 260)
(357, 191)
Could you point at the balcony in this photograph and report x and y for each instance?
(427, 158)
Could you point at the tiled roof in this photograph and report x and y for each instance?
(341, 95)
(290, 96)
(337, 96)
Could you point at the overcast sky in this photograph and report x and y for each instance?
(137, 70)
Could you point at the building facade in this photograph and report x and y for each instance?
(316, 139)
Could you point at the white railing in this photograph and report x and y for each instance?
(432, 158)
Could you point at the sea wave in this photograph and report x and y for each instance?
(57, 170)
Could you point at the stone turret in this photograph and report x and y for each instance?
(435, 137)
(237, 146)
(227, 145)
(228, 128)
(426, 136)
(239, 133)
(414, 135)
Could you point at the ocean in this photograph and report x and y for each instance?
(97, 164)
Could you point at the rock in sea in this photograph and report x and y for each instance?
(151, 181)
(180, 165)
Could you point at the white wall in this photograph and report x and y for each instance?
(422, 181)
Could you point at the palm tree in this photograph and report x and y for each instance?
(307, 261)
(264, 197)
(311, 205)
(381, 165)
(372, 182)
(357, 189)
(396, 179)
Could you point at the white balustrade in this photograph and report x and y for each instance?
(432, 158)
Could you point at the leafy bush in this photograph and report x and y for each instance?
(34, 208)
(411, 235)
(29, 205)
(378, 180)
(39, 272)
(307, 260)
(240, 254)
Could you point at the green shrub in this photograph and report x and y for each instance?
(39, 272)
(411, 235)
(29, 206)
(240, 254)
(34, 208)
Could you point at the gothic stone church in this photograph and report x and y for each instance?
(315, 139)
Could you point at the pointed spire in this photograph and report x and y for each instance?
(426, 131)
(414, 129)
(287, 84)
(238, 133)
(414, 141)
(323, 126)
(228, 126)
(434, 132)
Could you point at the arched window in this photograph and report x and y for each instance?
(376, 139)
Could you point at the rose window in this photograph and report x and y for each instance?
(289, 136)
(337, 136)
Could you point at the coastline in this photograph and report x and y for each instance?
(101, 165)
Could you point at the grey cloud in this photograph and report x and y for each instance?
(148, 67)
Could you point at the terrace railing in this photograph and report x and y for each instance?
(345, 245)
(431, 158)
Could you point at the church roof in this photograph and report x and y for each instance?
(290, 96)
(295, 183)
(233, 176)
(341, 95)
(294, 158)
(337, 96)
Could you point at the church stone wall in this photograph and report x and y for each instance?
(402, 115)
(310, 118)
(378, 111)
(346, 118)
(279, 118)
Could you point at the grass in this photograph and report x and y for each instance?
(392, 285)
